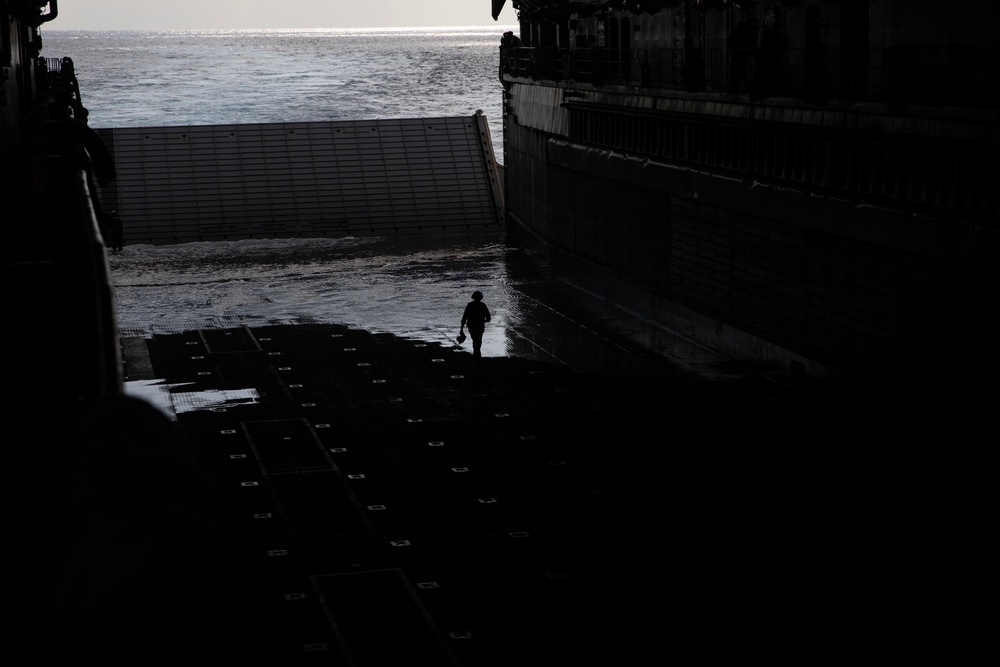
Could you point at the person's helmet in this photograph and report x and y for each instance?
(477, 295)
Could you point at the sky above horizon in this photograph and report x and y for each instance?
(251, 14)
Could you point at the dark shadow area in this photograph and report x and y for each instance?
(400, 497)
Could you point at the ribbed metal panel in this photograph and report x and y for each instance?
(217, 182)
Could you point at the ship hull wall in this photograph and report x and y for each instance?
(762, 272)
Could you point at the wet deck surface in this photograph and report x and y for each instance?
(367, 498)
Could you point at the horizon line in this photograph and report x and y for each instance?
(202, 29)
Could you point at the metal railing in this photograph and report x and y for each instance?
(957, 75)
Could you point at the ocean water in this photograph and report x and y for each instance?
(169, 78)
(207, 77)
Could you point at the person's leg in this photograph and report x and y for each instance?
(477, 342)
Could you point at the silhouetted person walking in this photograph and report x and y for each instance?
(476, 316)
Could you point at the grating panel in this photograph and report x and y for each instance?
(260, 376)
(380, 620)
(229, 340)
(318, 503)
(286, 444)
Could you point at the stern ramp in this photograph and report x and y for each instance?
(275, 180)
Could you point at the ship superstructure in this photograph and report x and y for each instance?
(54, 262)
(804, 183)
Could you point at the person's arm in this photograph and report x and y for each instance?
(487, 311)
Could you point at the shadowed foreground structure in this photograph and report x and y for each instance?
(386, 501)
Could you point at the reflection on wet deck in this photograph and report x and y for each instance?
(410, 289)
